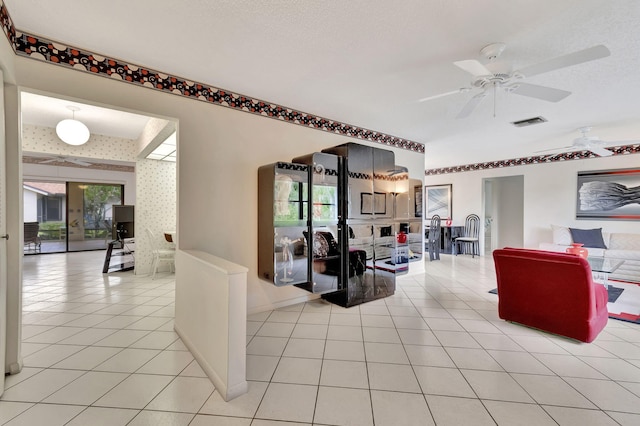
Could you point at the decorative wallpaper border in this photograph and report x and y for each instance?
(40, 48)
(540, 159)
(93, 166)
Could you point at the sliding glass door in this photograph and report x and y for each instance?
(89, 215)
(71, 216)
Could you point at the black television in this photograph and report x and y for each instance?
(123, 222)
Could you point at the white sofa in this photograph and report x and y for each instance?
(623, 246)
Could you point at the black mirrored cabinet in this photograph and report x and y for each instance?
(338, 223)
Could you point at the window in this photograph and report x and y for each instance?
(52, 209)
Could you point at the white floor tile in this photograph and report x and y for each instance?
(496, 385)
(9, 410)
(183, 394)
(474, 359)
(449, 411)
(98, 416)
(566, 416)
(551, 390)
(386, 353)
(46, 414)
(607, 395)
(343, 406)
(243, 406)
(136, 391)
(346, 351)
(288, 402)
(41, 385)
(433, 356)
(392, 377)
(206, 420)
(302, 371)
(348, 374)
(261, 368)
(518, 414)
(443, 381)
(395, 408)
(156, 340)
(304, 348)
(86, 389)
(167, 362)
(271, 346)
(87, 358)
(155, 418)
(127, 360)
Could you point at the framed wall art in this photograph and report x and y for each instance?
(417, 196)
(375, 203)
(438, 201)
(609, 194)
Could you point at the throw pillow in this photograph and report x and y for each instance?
(320, 245)
(561, 235)
(588, 237)
(332, 244)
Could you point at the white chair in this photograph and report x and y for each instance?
(160, 255)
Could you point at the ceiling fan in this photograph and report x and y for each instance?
(61, 159)
(590, 143)
(498, 74)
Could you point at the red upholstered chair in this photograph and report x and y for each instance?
(550, 291)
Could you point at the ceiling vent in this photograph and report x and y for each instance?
(529, 121)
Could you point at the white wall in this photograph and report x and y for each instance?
(550, 195)
(156, 207)
(219, 153)
(30, 199)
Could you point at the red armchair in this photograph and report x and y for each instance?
(550, 291)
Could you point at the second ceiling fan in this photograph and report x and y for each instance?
(498, 75)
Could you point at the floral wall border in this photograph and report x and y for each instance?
(540, 159)
(40, 48)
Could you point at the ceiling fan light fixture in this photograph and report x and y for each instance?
(72, 131)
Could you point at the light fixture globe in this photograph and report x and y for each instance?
(72, 131)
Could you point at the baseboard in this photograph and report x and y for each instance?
(227, 393)
(281, 304)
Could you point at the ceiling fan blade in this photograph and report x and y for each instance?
(473, 67)
(442, 95)
(51, 160)
(540, 92)
(602, 152)
(618, 143)
(554, 149)
(575, 58)
(78, 162)
(471, 105)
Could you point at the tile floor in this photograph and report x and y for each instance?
(100, 350)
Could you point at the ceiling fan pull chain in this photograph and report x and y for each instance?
(495, 92)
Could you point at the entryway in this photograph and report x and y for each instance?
(503, 212)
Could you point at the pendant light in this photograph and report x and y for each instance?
(72, 131)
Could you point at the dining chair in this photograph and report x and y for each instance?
(433, 239)
(160, 254)
(470, 239)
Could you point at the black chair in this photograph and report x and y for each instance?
(433, 239)
(470, 239)
(31, 230)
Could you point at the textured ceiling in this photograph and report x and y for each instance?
(367, 62)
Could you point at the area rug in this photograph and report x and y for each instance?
(624, 301)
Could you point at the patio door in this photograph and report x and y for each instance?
(89, 216)
(3, 241)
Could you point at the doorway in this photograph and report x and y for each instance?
(503, 212)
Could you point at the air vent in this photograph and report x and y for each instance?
(529, 121)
